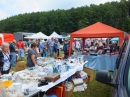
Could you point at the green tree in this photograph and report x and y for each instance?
(116, 14)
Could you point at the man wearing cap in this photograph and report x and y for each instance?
(12, 48)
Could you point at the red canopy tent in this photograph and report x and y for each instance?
(0, 41)
(6, 37)
(97, 30)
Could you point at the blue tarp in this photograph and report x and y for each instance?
(114, 39)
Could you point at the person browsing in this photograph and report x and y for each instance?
(51, 46)
(32, 56)
(5, 59)
(13, 50)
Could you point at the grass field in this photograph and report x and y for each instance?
(95, 89)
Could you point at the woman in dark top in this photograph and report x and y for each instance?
(32, 55)
(13, 50)
(5, 59)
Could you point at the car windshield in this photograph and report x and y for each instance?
(119, 61)
(127, 76)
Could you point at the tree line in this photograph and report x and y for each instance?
(116, 14)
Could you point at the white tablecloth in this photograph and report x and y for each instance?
(63, 77)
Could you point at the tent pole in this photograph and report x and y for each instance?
(121, 38)
(83, 42)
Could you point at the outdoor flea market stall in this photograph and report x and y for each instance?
(46, 77)
(57, 76)
(98, 61)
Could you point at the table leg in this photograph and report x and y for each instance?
(38, 94)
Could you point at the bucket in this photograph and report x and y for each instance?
(18, 87)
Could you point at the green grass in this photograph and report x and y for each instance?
(13, 68)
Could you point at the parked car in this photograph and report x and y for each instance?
(120, 81)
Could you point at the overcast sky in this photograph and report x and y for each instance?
(15, 7)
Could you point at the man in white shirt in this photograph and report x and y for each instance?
(77, 46)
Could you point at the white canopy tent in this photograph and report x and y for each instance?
(38, 35)
(55, 35)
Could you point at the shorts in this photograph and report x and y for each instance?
(20, 53)
(55, 50)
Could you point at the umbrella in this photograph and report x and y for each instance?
(114, 39)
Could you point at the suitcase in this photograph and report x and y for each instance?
(52, 78)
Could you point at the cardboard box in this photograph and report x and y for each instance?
(90, 78)
(90, 73)
(69, 93)
(86, 80)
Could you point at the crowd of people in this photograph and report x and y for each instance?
(11, 52)
(31, 49)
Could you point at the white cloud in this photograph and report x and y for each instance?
(14, 7)
(3, 15)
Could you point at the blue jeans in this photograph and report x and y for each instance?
(44, 54)
(13, 58)
(21, 53)
(78, 49)
(51, 50)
